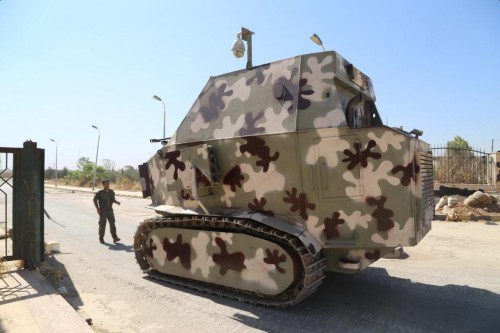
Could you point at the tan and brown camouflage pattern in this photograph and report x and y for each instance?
(302, 141)
(229, 259)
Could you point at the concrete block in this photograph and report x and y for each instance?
(51, 247)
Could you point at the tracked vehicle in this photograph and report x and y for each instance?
(278, 174)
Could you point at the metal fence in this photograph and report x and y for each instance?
(461, 165)
(6, 174)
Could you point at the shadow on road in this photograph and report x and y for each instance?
(120, 247)
(373, 301)
(55, 272)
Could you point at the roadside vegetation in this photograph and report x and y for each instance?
(126, 178)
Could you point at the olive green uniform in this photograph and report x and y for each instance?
(105, 200)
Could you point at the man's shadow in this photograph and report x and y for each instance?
(119, 247)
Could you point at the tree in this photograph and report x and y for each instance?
(50, 173)
(73, 176)
(62, 173)
(458, 142)
(459, 148)
(109, 165)
(82, 162)
(85, 172)
(127, 178)
(459, 161)
(129, 172)
(88, 171)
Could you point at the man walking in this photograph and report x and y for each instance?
(103, 202)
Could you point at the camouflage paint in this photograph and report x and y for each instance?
(302, 141)
(229, 259)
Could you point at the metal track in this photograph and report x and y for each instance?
(311, 268)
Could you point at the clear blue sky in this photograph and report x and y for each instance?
(68, 65)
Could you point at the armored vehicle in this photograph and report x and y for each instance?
(277, 174)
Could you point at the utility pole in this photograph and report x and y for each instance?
(96, 154)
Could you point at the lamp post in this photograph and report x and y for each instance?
(164, 112)
(56, 158)
(315, 38)
(96, 154)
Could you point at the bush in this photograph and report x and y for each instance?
(128, 185)
(125, 179)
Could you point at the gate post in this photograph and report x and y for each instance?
(28, 205)
(496, 168)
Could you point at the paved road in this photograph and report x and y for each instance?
(449, 283)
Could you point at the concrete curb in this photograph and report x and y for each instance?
(441, 217)
(31, 304)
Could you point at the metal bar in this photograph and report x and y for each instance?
(9, 150)
(6, 202)
(5, 222)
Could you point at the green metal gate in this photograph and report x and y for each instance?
(22, 204)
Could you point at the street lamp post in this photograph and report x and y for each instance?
(164, 112)
(315, 38)
(56, 158)
(96, 154)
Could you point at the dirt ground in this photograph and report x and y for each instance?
(462, 212)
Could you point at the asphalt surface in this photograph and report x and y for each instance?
(448, 283)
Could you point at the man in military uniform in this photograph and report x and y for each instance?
(103, 202)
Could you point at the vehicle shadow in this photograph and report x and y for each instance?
(373, 301)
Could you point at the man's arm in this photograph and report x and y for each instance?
(96, 204)
(114, 199)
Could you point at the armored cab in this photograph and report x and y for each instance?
(277, 174)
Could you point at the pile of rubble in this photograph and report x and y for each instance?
(475, 206)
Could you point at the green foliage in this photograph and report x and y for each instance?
(62, 173)
(130, 173)
(126, 178)
(459, 149)
(82, 163)
(458, 142)
(73, 175)
(50, 173)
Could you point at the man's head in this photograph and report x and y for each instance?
(105, 184)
